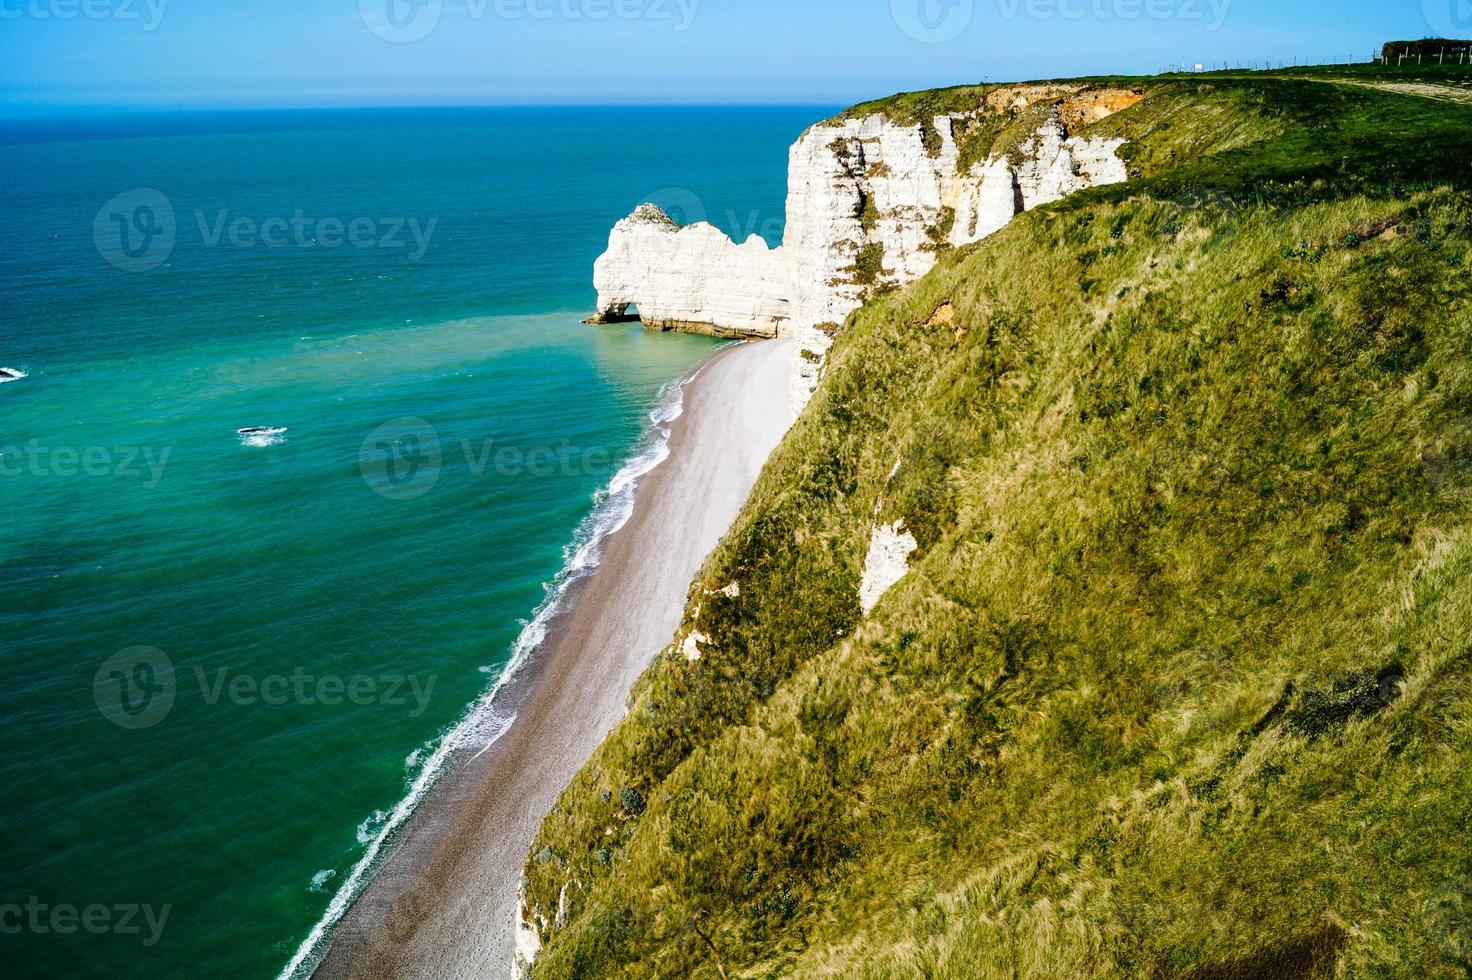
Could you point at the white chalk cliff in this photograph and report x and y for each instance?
(691, 277)
(871, 204)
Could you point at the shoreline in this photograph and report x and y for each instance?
(442, 902)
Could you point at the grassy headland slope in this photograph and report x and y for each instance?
(1180, 680)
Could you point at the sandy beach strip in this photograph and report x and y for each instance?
(443, 903)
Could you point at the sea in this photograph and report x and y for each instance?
(231, 661)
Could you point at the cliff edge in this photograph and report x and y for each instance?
(873, 200)
(1105, 612)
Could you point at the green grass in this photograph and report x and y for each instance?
(912, 108)
(1180, 682)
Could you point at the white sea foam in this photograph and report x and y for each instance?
(481, 726)
(369, 828)
(12, 374)
(321, 878)
(262, 436)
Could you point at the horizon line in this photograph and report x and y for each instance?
(37, 110)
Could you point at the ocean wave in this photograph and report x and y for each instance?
(260, 436)
(12, 374)
(481, 726)
(369, 828)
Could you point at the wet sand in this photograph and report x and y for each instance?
(443, 904)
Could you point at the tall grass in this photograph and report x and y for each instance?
(1178, 684)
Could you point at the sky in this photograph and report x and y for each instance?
(323, 53)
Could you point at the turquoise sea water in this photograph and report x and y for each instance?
(227, 659)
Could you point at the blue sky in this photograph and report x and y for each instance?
(286, 53)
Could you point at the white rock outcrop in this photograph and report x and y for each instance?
(691, 646)
(528, 938)
(691, 278)
(870, 204)
(890, 548)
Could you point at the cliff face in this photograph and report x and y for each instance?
(872, 203)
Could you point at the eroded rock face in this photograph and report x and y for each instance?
(871, 204)
(1053, 166)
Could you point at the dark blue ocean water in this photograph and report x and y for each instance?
(228, 658)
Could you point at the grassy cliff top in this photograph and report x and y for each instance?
(911, 108)
(1297, 125)
(1179, 683)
